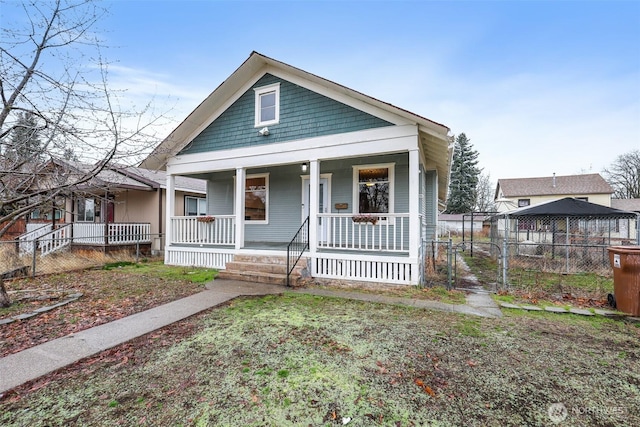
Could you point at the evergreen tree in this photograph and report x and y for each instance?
(464, 177)
(25, 142)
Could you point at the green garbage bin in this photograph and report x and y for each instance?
(625, 261)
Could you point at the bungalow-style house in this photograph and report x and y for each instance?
(292, 159)
(521, 192)
(119, 206)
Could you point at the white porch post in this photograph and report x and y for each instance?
(414, 212)
(171, 209)
(239, 206)
(314, 203)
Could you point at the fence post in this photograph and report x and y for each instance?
(505, 252)
(33, 260)
(449, 262)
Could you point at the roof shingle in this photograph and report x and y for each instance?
(559, 185)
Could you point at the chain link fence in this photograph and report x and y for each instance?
(58, 253)
(557, 253)
(561, 245)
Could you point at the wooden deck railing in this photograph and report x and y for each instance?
(366, 232)
(119, 233)
(206, 230)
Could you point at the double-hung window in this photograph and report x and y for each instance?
(267, 105)
(86, 210)
(194, 206)
(374, 188)
(256, 198)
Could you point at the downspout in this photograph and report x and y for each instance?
(105, 215)
(159, 189)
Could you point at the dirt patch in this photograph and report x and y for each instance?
(106, 296)
(308, 360)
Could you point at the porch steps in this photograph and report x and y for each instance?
(262, 269)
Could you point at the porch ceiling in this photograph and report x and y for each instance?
(438, 157)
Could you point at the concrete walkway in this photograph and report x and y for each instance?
(32, 363)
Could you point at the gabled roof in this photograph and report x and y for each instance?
(568, 207)
(159, 178)
(553, 185)
(128, 177)
(433, 135)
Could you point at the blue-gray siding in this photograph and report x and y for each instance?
(285, 194)
(303, 114)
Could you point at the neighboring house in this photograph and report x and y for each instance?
(631, 205)
(281, 148)
(119, 206)
(520, 192)
(459, 223)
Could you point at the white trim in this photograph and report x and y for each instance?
(306, 181)
(198, 200)
(364, 267)
(259, 91)
(238, 206)
(385, 140)
(266, 208)
(356, 184)
(344, 98)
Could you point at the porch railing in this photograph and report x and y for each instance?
(26, 240)
(296, 247)
(120, 233)
(205, 230)
(54, 240)
(371, 232)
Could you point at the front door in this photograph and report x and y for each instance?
(323, 205)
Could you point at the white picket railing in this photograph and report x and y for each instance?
(382, 232)
(204, 230)
(55, 240)
(33, 232)
(120, 233)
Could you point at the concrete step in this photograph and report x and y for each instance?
(265, 259)
(261, 269)
(255, 277)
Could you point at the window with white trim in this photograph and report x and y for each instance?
(86, 210)
(267, 105)
(523, 202)
(194, 206)
(373, 188)
(256, 198)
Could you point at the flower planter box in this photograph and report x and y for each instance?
(206, 219)
(365, 219)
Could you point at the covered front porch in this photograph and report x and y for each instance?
(367, 207)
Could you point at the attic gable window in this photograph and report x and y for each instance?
(267, 105)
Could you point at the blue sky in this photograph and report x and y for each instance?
(538, 86)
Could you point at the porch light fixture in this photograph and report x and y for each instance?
(303, 167)
(264, 131)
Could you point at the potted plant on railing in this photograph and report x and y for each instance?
(365, 218)
(206, 218)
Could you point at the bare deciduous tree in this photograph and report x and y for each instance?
(624, 175)
(52, 72)
(57, 104)
(485, 193)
